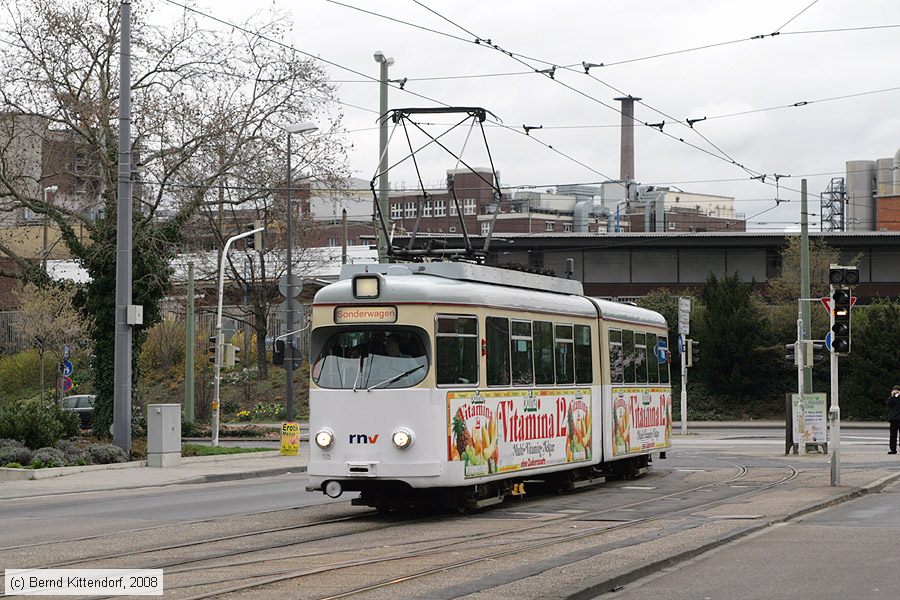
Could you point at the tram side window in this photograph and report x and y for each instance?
(543, 353)
(652, 358)
(628, 355)
(497, 337)
(640, 357)
(456, 360)
(520, 349)
(583, 355)
(565, 354)
(616, 357)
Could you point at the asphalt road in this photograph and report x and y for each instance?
(849, 551)
(49, 518)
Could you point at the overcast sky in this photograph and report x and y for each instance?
(813, 140)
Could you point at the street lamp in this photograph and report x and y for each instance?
(52, 189)
(385, 62)
(295, 128)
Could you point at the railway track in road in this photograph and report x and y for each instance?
(329, 561)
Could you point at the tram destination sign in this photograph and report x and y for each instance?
(365, 314)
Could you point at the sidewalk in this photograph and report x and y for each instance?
(136, 474)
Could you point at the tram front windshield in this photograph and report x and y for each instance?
(371, 359)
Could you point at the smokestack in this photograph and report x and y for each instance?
(626, 152)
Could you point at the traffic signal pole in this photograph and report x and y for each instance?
(835, 410)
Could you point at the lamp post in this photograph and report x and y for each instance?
(385, 62)
(52, 189)
(304, 127)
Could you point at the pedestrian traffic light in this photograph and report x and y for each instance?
(843, 276)
(841, 301)
(278, 353)
(693, 352)
(211, 349)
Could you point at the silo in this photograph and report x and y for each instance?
(860, 214)
(884, 177)
(897, 171)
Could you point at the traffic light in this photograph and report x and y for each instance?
(230, 355)
(250, 240)
(278, 353)
(841, 301)
(211, 349)
(843, 276)
(814, 353)
(791, 353)
(258, 241)
(693, 352)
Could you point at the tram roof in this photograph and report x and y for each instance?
(463, 283)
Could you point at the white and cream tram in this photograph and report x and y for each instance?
(454, 382)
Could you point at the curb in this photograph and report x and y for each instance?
(218, 477)
(615, 584)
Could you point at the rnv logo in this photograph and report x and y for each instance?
(361, 438)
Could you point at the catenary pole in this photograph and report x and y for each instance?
(122, 351)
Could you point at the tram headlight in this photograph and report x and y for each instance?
(324, 439)
(403, 438)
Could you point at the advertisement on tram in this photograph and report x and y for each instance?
(512, 430)
(641, 419)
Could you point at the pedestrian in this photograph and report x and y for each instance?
(893, 404)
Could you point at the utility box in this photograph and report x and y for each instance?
(163, 435)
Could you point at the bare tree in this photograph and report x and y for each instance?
(208, 107)
(49, 320)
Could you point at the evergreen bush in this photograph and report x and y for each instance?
(15, 454)
(37, 424)
(46, 458)
(104, 454)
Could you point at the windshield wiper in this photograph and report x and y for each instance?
(395, 378)
(358, 373)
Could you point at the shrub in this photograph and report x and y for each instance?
(15, 454)
(73, 454)
(104, 454)
(255, 431)
(14, 465)
(37, 424)
(45, 458)
(190, 429)
(19, 373)
(164, 347)
(10, 442)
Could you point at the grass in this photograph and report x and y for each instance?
(201, 450)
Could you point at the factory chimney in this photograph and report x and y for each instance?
(626, 169)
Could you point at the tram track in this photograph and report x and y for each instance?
(439, 545)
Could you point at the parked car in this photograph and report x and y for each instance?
(83, 405)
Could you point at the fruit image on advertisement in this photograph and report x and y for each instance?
(475, 447)
(621, 430)
(578, 432)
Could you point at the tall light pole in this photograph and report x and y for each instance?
(52, 189)
(304, 127)
(383, 208)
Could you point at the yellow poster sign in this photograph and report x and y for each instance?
(290, 439)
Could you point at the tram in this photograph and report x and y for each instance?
(457, 383)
